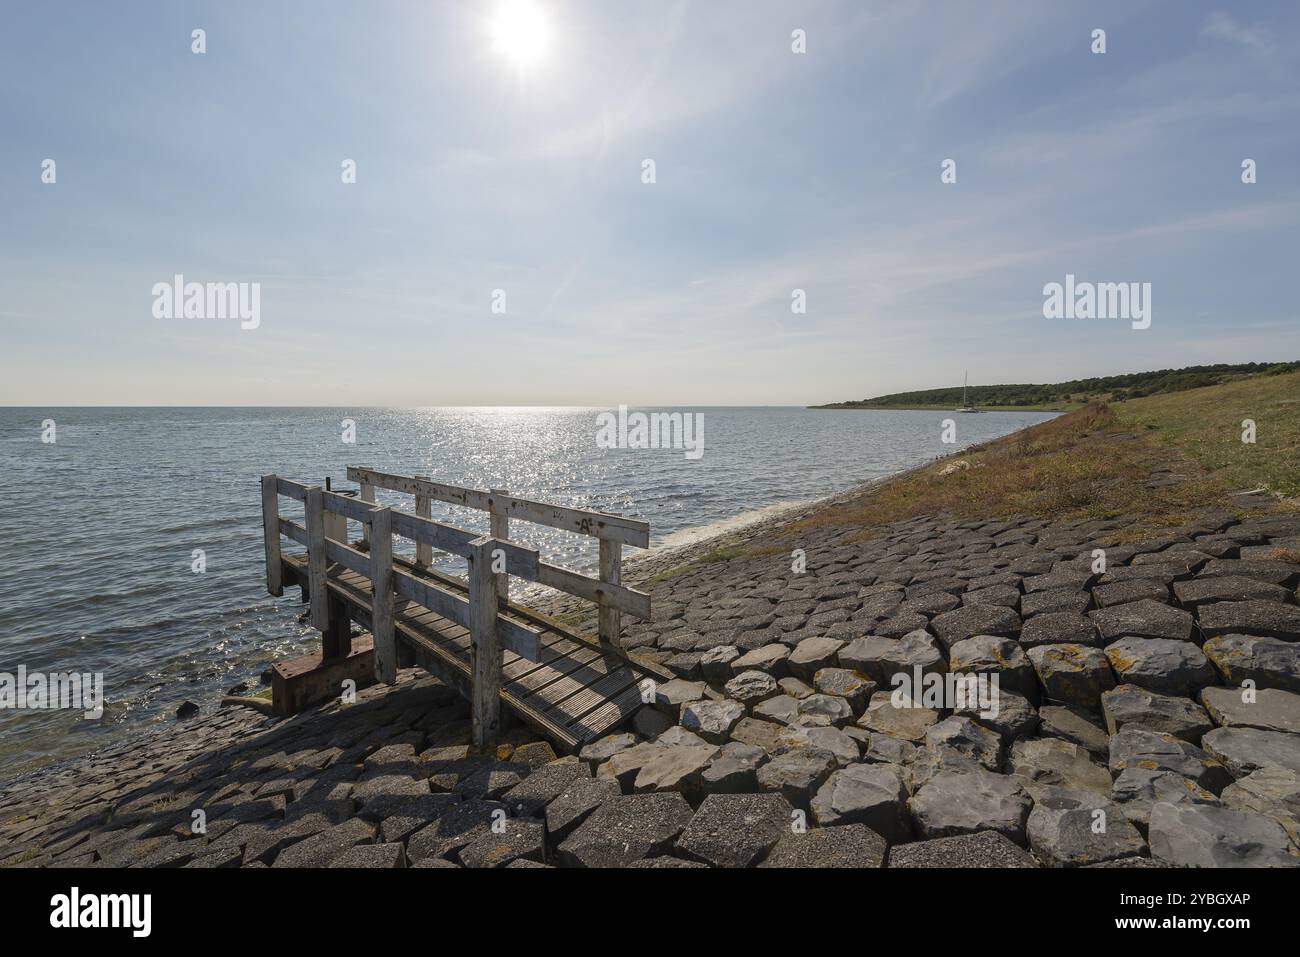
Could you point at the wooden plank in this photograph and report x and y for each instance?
(628, 531)
(437, 600)
(295, 490)
(293, 530)
(445, 596)
(615, 595)
(520, 561)
(611, 572)
(596, 695)
(423, 550)
(499, 528)
(445, 538)
(595, 723)
(349, 558)
(368, 496)
(316, 559)
(348, 507)
(271, 535)
(554, 666)
(336, 527)
(485, 704)
(416, 485)
(381, 602)
(519, 638)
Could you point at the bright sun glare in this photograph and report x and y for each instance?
(520, 32)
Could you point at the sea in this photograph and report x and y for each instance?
(132, 538)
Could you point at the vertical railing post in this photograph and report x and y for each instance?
(611, 571)
(381, 580)
(317, 585)
(423, 550)
(271, 535)
(367, 495)
(485, 649)
(500, 529)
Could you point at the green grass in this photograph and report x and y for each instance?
(1098, 461)
(1206, 425)
(668, 573)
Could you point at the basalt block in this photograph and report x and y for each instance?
(1135, 747)
(1063, 829)
(1145, 619)
(1266, 618)
(981, 850)
(1245, 750)
(909, 723)
(627, 829)
(882, 658)
(1268, 662)
(1130, 704)
(870, 794)
(992, 655)
(813, 654)
(1072, 674)
(845, 846)
(971, 620)
(735, 830)
(1051, 762)
(1060, 628)
(1267, 709)
(953, 803)
(1190, 835)
(1163, 665)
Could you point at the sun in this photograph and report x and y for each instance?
(520, 32)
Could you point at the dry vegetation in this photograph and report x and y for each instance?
(1160, 460)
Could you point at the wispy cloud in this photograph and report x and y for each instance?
(1223, 26)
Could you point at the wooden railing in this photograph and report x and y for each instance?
(491, 559)
(612, 531)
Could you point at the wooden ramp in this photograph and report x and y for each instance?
(570, 688)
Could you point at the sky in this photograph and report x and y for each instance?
(495, 154)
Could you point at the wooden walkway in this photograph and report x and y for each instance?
(569, 687)
(573, 694)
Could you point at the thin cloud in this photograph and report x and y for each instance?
(1221, 26)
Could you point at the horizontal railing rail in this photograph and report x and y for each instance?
(626, 531)
(490, 560)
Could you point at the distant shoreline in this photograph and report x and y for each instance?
(860, 407)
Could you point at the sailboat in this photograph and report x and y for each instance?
(965, 406)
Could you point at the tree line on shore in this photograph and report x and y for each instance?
(1116, 388)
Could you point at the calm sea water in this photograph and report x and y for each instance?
(100, 527)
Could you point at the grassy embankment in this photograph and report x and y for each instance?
(1158, 460)
(1069, 404)
(1075, 394)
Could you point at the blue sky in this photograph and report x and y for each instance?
(775, 171)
